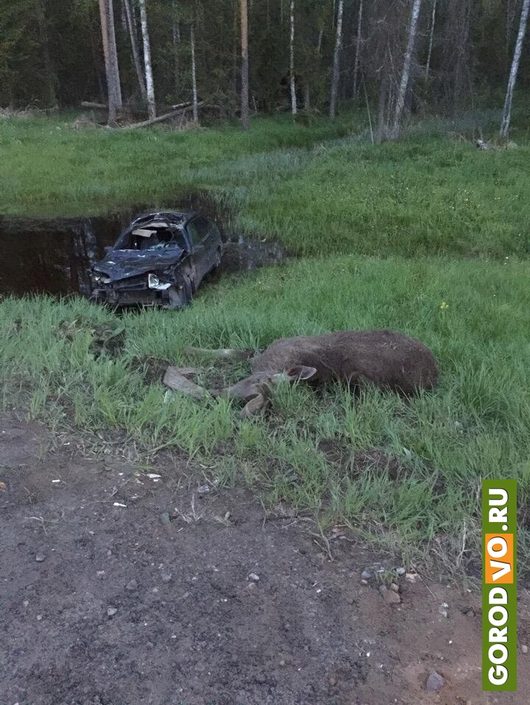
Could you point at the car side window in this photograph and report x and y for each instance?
(202, 227)
(213, 229)
(194, 232)
(181, 240)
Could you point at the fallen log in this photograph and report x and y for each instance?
(178, 106)
(95, 106)
(162, 118)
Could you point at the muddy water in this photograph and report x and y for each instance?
(54, 256)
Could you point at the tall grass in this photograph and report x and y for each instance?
(320, 189)
(419, 197)
(475, 316)
(49, 168)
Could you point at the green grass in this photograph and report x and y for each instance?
(422, 196)
(427, 235)
(49, 168)
(474, 425)
(320, 189)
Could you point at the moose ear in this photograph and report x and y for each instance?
(301, 373)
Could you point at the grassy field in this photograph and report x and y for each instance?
(49, 168)
(321, 189)
(428, 236)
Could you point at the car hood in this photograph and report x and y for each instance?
(123, 264)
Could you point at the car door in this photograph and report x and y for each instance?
(197, 249)
(201, 236)
(213, 246)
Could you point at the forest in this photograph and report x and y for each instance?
(228, 58)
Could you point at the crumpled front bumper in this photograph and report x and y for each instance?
(144, 291)
(116, 297)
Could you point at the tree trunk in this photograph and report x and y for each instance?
(511, 6)
(236, 52)
(431, 40)
(372, 137)
(319, 43)
(459, 49)
(358, 42)
(51, 96)
(194, 76)
(381, 133)
(405, 75)
(149, 83)
(307, 96)
(336, 62)
(292, 80)
(175, 36)
(96, 60)
(507, 111)
(131, 28)
(243, 4)
(112, 70)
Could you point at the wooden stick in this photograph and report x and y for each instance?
(160, 118)
(178, 106)
(96, 106)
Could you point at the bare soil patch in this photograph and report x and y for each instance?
(123, 589)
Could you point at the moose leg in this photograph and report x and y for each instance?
(174, 379)
(252, 407)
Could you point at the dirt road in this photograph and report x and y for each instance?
(123, 589)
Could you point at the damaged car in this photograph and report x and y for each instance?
(160, 259)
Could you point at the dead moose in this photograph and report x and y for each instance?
(384, 358)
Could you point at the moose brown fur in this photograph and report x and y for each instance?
(387, 359)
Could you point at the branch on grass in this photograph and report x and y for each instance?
(162, 118)
(95, 106)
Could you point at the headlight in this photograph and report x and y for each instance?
(153, 282)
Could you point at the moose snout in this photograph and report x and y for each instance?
(243, 390)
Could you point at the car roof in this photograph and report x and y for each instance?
(180, 217)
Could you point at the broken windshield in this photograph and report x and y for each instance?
(156, 235)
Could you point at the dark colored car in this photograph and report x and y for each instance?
(160, 259)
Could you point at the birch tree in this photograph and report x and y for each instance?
(112, 71)
(131, 30)
(51, 52)
(431, 40)
(175, 37)
(507, 111)
(194, 76)
(405, 74)
(244, 64)
(358, 42)
(336, 61)
(292, 79)
(149, 83)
